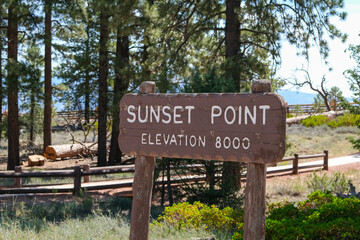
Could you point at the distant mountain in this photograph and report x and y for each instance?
(294, 97)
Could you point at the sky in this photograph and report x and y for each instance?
(338, 59)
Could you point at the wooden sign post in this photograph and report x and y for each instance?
(226, 126)
(142, 187)
(255, 205)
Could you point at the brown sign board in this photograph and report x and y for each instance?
(226, 127)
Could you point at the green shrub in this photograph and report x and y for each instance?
(322, 216)
(336, 183)
(198, 215)
(289, 115)
(315, 121)
(345, 120)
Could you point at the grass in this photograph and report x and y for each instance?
(82, 219)
(305, 141)
(295, 189)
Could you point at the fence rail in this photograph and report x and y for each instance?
(81, 176)
(311, 108)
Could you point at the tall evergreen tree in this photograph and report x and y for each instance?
(79, 63)
(13, 87)
(30, 70)
(103, 85)
(48, 85)
(122, 73)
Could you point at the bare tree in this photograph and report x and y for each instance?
(322, 91)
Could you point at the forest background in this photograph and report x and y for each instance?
(106, 48)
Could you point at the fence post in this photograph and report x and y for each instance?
(326, 160)
(296, 164)
(86, 168)
(77, 180)
(18, 181)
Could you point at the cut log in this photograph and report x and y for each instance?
(70, 150)
(36, 160)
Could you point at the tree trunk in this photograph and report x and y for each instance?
(103, 87)
(48, 87)
(231, 176)
(1, 89)
(87, 76)
(232, 40)
(70, 150)
(120, 86)
(32, 117)
(13, 88)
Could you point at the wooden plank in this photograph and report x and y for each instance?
(225, 127)
(311, 156)
(311, 166)
(24, 174)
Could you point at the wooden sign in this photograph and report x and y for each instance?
(228, 127)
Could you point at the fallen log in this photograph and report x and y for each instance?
(71, 150)
(298, 119)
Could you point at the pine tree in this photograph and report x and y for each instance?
(30, 70)
(103, 84)
(48, 85)
(13, 87)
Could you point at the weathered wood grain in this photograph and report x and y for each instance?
(142, 187)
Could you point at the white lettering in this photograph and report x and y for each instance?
(233, 115)
(189, 108)
(166, 114)
(202, 141)
(180, 137)
(248, 143)
(240, 110)
(176, 115)
(143, 140)
(146, 114)
(155, 114)
(264, 108)
(150, 142)
(248, 114)
(158, 139)
(229, 142)
(236, 146)
(166, 140)
(192, 143)
(173, 140)
(131, 113)
(213, 114)
(235, 143)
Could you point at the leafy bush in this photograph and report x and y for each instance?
(347, 119)
(315, 121)
(322, 216)
(328, 184)
(289, 115)
(198, 215)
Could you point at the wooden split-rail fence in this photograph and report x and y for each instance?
(81, 176)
